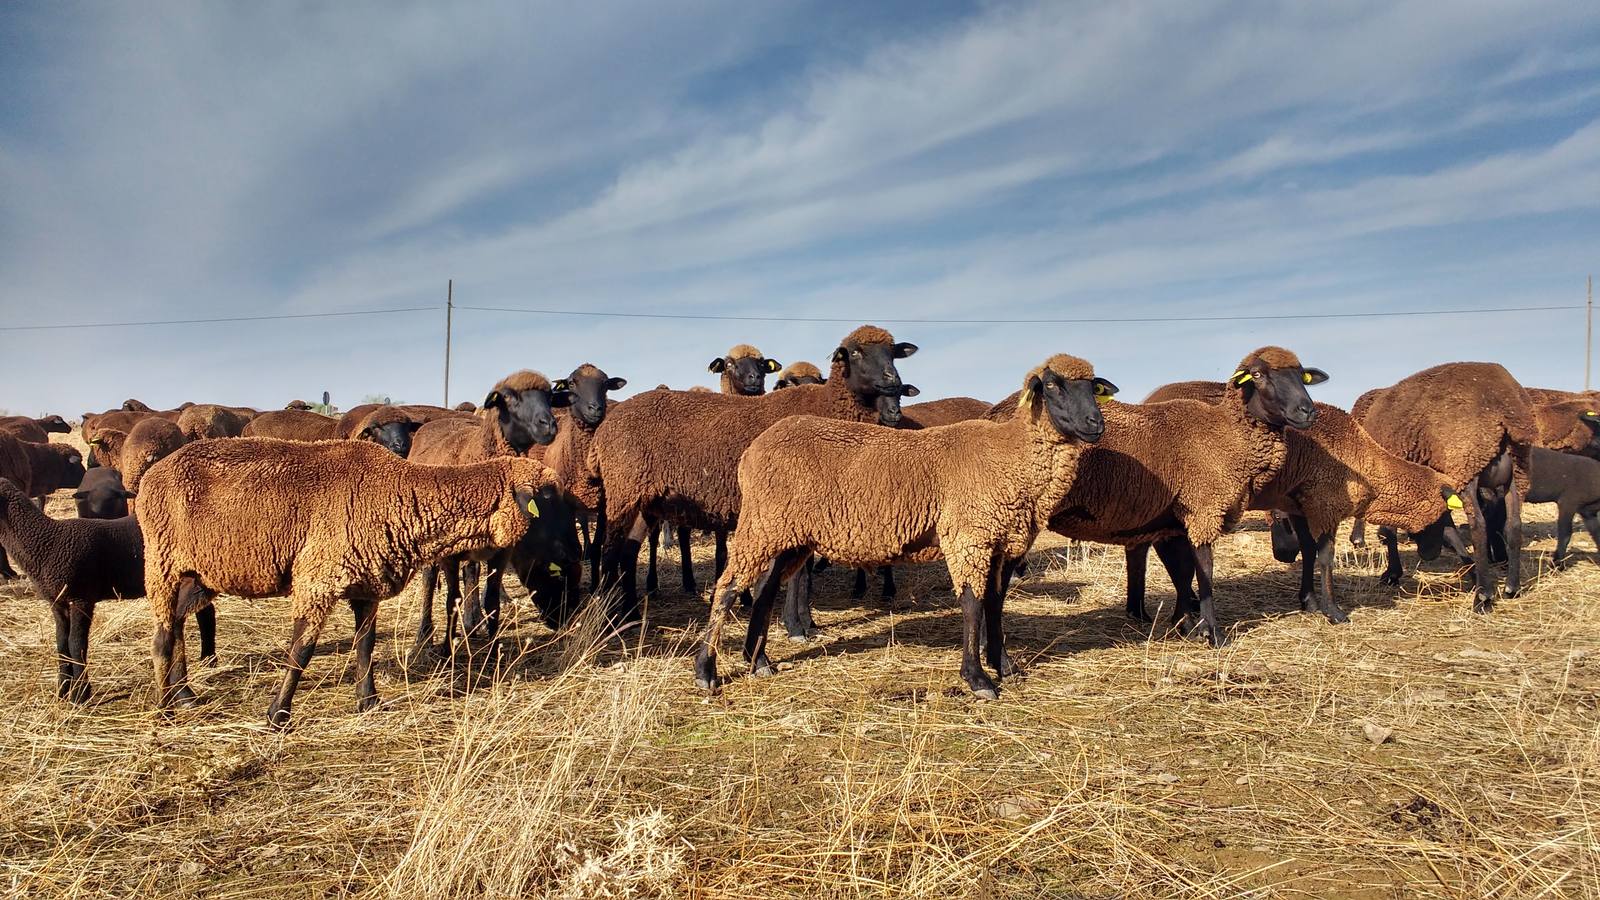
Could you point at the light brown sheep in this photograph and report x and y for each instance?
(209, 420)
(744, 370)
(319, 523)
(293, 425)
(1568, 426)
(798, 373)
(974, 493)
(1472, 423)
(150, 441)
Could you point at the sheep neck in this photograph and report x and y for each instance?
(442, 520)
(1265, 448)
(25, 531)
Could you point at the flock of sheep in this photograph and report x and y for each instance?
(182, 505)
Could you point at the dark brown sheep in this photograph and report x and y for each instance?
(1472, 423)
(674, 455)
(320, 523)
(293, 425)
(150, 441)
(209, 420)
(101, 495)
(37, 431)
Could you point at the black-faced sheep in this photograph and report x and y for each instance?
(974, 493)
(1333, 471)
(1185, 468)
(744, 370)
(320, 523)
(74, 564)
(674, 455)
(466, 406)
(37, 431)
(1573, 484)
(299, 405)
(102, 495)
(1472, 423)
(798, 373)
(589, 388)
(518, 414)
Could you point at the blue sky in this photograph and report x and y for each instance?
(914, 160)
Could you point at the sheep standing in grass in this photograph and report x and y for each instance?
(1472, 423)
(1186, 468)
(74, 564)
(1333, 471)
(293, 425)
(589, 388)
(974, 493)
(518, 415)
(1573, 484)
(1569, 426)
(320, 523)
(674, 455)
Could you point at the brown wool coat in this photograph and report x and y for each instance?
(972, 492)
(318, 522)
(943, 411)
(1455, 419)
(209, 420)
(150, 441)
(458, 439)
(293, 425)
(1170, 468)
(676, 453)
(1335, 471)
(1559, 424)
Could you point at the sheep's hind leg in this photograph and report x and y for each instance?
(994, 602)
(724, 594)
(1563, 537)
(302, 644)
(1177, 557)
(1358, 533)
(1591, 524)
(755, 641)
(972, 625)
(1207, 617)
(650, 582)
(423, 644)
(1484, 587)
(1136, 556)
(1316, 555)
(205, 619)
(797, 621)
(366, 625)
(858, 590)
(886, 573)
(686, 562)
(1513, 538)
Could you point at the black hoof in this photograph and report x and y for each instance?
(1482, 604)
(1140, 616)
(1336, 615)
(1010, 669)
(705, 673)
(367, 703)
(763, 670)
(1391, 579)
(277, 718)
(185, 699)
(806, 638)
(982, 686)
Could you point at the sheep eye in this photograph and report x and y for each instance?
(1051, 386)
(856, 353)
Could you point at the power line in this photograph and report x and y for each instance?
(1080, 320)
(327, 315)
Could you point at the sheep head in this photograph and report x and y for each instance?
(390, 429)
(799, 373)
(864, 364)
(744, 370)
(1271, 383)
(523, 405)
(1066, 390)
(588, 386)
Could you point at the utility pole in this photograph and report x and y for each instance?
(450, 313)
(1588, 333)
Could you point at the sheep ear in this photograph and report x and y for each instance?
(494, 399)
(129, 495)
(903, 350)
(561, 384)
(616, 384)
(411, 427)
(717, 365)
(1103, 388)
(1313, 376)
(839, 354)
(80, 495)
(366, 433)
(771, 365)
(910, 390)
(1452, 500)
(1030, 393)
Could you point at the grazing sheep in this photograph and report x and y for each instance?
(1473, 424)
(52, 467)
(974, 493)
(74, 564)
(1573, 484)
(150, 441)
(744, 370)
(674, 455)
(518, 414)
(548, 560)
(208, 420)
(102, 495)
(1186, 468)
(1333, 471)
(35, 430)
(798, 373)
(320, 523)
(293, 425)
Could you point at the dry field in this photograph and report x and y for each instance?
(1125, 764)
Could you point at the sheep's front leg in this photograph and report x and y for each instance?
(1483, 591)
(1316, 554)
(1358, 533)
(686, 562)
(1207, 618)
(423, 644)
(1393, 571)
(1513, 538)
(1177, 557)
(366, 624)
(651, 581)
(1591, 524)
(724, 595)
(755, 640)
(206, 619)
(978, 681)
(797, 621)
(302, 644)
(79, 616)
(1563, 536)
(58, 609)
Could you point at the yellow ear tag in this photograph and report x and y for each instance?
(1454, 502)
(1306, 377)
(555, 569)
(533, 509)
(1026, 399)
(1102, 399)
(1240, 377)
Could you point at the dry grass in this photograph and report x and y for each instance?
(1120, 767)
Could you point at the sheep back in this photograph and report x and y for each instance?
(293, 425)
(1455, 419)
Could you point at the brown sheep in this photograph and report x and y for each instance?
(798, 373)
(353, 422)
(299, 405)
(1569, 426)
(209, 420)
(319, 523)
(293, 425)
(1333, 471)
(150, 441)
(52, 467)
(1541, 396)
(94, 424)
(674, 455)
(466, 406)
(744, 370)
(974, 493)
(1185, 468)
(944, 411)
(36, 431)
(568, 455)
(14, 466)
(1472, 423)
(518, 415)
